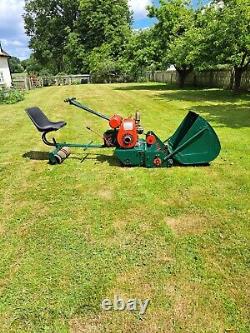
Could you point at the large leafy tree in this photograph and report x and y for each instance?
(46, 22)
(31, 66)
(182, 54)
(64, 32)
(15, 65)
(102, 65)
(140, 54)
(104, 22)
(173, 33)
(75, 58)
(223, 37)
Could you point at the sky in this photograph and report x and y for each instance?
(12, 33)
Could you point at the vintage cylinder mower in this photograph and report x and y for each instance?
(194, 142)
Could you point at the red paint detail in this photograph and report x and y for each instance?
(127, 129)
(151, 139)
(157, 161)
(115, 121)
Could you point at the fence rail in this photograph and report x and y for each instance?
(211, 79)
(31, 82)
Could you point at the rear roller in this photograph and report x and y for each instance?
(59, 156)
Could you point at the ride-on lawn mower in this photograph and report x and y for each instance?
(193, 143)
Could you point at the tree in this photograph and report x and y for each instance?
(15, 65)
(46, 22)
(223, 37)
(104, 22)
(175, 35)
(101, 63)
(31, 66)
(64, 32)
(74, 59)
(181, 55)
(140, 54)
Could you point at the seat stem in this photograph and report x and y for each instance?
(51, 144)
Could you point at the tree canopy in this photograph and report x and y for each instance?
(96, 36)
(223, 36)
(15, 65)
(175, 21)
(64, 32)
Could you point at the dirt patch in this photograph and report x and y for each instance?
(14, 267)
(2, 229)
(182, 308)
(130, 284)
(187, 224)
(120, 224)
(155, 322)
(92, 325)
(106, 194)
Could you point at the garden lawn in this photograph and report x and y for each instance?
(75, 234)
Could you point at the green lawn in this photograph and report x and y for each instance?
(74, 234)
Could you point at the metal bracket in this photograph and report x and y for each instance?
(51, 144)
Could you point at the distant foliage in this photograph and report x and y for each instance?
(32, 66)
(205, 37)
(11, 96)
(223, 37)
(96, 37)
(64, 34)
(15, 65)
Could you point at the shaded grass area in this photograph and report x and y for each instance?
(74, 234)
(233, 104)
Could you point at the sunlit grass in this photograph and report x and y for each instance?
(74, 234)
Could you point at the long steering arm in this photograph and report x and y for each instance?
(73, 101)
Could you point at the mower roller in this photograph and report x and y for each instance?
(194, 142)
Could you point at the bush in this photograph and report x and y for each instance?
(11, 96)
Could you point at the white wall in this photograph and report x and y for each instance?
(4, 68)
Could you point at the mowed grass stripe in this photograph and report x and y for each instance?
(74, 234)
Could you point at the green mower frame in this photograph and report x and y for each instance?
(194, 142)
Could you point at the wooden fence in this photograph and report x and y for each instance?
(211, 79)
(31, 82)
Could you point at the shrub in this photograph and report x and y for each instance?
(11, 96)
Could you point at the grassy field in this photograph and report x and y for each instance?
(75, 234)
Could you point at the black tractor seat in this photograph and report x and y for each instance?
(42, 123)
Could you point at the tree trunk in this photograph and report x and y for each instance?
(238, 71)
(231, 82)
(182, 73)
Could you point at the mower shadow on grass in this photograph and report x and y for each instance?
(37, 155)
(99, 158)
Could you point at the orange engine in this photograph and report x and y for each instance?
(127, 136)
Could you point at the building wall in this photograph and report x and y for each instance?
(5, 72)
